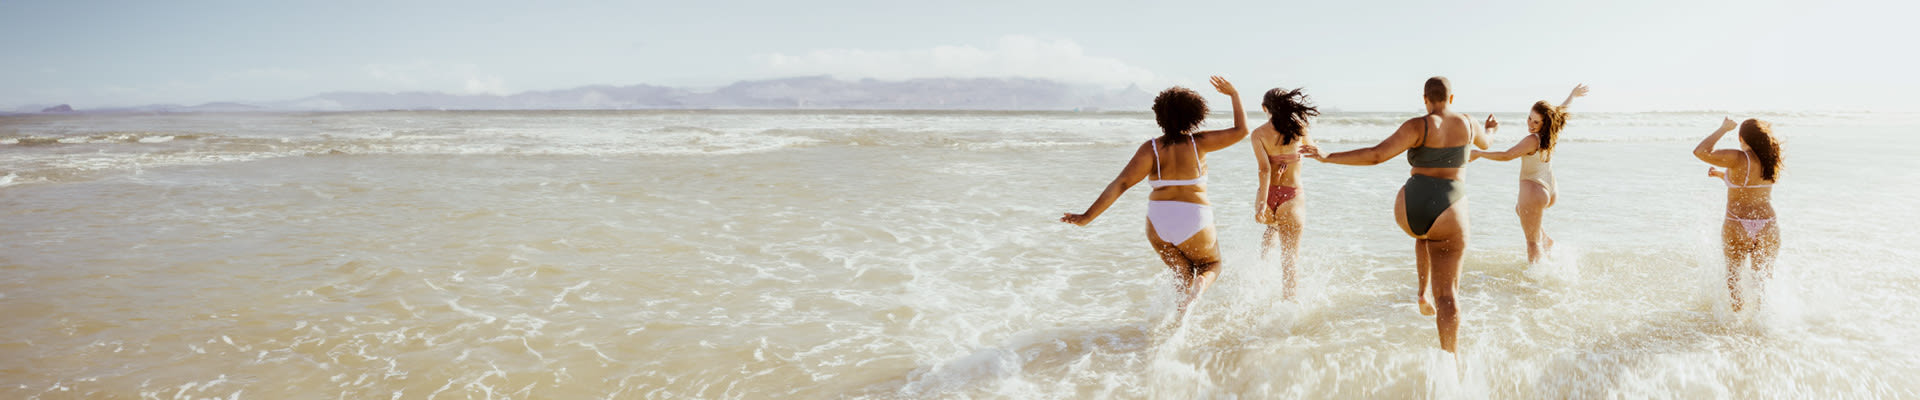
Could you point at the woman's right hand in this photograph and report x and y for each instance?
(1579, 90)
(1715, 173)
(1224, 87)
(1492, 125)
(1076, 219)
(1262, 216)
(1728, 125)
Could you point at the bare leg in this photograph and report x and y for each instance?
(1447, 246)
(1736, 258)
(1176, 261)
(1267, 240)
(1767, 249)
(1531, 207)
(1446, 277)
(1202, 278)
(1289, 228)
(1423, 262)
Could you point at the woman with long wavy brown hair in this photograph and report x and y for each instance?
(1751, 233)
(1538, 190)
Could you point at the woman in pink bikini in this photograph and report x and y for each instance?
(1276, 149)
(1752, 236)
(1179, 219)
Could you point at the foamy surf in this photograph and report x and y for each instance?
(1560, 267)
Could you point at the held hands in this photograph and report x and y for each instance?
(1224, 87)
(1475, 156)
(1076, 219)
(1313, 152)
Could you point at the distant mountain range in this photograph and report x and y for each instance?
(814, 92)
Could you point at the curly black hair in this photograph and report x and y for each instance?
(1289, 111)
(1179, 110)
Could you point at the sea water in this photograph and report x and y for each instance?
(900, 254)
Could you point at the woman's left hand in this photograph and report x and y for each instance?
(1223, 86)
(1076, 219)
(1311, 151)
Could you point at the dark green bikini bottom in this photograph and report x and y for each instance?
(1427, 197)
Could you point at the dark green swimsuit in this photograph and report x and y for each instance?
(1428, 196)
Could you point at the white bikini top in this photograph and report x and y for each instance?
(1156, 184)
(1729, 178)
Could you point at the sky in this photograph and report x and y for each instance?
(1674, 55)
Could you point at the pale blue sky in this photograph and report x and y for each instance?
(1356, 55)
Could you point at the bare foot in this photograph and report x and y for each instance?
(1426, 306)
(1549, 247)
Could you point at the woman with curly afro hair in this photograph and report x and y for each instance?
(1179, 219)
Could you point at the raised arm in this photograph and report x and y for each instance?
(1215, 140)
(1579, 90)
(1526, 146)
(1401, 140)
(1135, 170)
(1480, 135)
(1721, 158)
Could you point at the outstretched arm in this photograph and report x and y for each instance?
(1721, 158)
(1135, 170)
(1219, 139)
(1401, 140)
(1526, 146)
(1579, 90)
(1480, 135)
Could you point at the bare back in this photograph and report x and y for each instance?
(1282, 160)
(1178, 158)
(1749, 193)
(1442, 130)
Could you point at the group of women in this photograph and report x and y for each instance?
(1431, 206)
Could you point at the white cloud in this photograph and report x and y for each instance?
(1011, 56)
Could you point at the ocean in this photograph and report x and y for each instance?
(904, 254)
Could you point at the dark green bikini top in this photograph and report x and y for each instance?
(1436, 157)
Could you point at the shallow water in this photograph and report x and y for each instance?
(710, 254)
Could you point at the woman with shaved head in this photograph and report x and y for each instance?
(1432, 206)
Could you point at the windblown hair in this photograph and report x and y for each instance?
(1179, 110)
(1758, 135)
(1289, 111)
(1552, 119)
(1438, 88)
